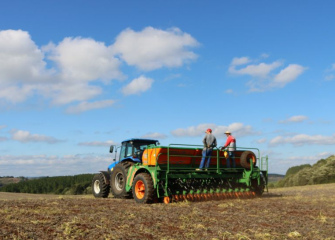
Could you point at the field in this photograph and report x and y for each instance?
(8, 180)
(288, 213)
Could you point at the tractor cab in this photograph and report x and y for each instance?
(132, 149)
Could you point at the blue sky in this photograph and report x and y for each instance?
(77, 76)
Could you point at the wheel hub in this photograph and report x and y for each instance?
(96, 186)
(119, 181)
(139, 189)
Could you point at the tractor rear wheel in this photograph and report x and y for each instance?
(100, 188)
(143, 188)
(119, 180)
(246, 157)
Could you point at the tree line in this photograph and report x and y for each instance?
(321, 172)
(72, 185)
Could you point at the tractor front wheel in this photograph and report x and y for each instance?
(143, 188)
(100, 188)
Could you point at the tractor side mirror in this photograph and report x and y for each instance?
(111, 149)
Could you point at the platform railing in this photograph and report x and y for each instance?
(219, 159)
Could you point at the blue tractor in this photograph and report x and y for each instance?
(114, 179)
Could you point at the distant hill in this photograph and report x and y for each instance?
(321, 172)
(275, 177)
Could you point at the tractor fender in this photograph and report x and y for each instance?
(135, 171)
(107, 177)
(111, 167)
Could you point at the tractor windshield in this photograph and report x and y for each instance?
(135, 148)
(141, 146)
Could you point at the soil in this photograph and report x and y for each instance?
(288, 213)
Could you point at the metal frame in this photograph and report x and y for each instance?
(235, 175)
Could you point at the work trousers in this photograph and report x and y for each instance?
(206, 153)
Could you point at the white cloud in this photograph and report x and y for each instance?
(44, 165)
(16, 93)
(21, 65)
(289, 74)
(79, 61)
(280, 164)
(264, 76)
(294, 119)
(237, 129)
(240, 61)
(138, 85)
(98, 143)
(298, 160)
(153, 48)
(303, 139)
(64, 93)
(86, 106)
(155, 135)
(277, 141)
(26, 136)
(74, 69)
(2, 139)
(262, 140)
(20, 58)
(84, 59)
(261, 70)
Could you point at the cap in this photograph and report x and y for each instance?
(209, 130)
(227, 132)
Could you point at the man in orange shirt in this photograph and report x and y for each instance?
(231, 147)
